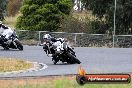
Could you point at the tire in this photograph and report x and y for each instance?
(5, 48)
(19, 45)
(73, 59)
(54, 60)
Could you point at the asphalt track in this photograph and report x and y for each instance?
(94, 60)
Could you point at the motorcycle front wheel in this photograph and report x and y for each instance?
(73, 59)
(54, 60)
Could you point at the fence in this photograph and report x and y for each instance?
(77, 39)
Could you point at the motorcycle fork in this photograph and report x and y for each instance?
(49, 48)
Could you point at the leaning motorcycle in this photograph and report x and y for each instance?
(12, 42)
(62, 53)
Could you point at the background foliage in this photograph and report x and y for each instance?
(104, 9)
(52, 15)
(43, 14)
(3, 4)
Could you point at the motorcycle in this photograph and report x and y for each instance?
(62, 52)
(12, 42)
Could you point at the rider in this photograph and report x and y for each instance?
(5, 32)
(46, 39)
(54, 43)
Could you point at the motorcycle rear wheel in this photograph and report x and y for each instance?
(19, 45)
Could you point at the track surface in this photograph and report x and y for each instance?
(94, 60)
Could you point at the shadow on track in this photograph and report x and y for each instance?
(51, 64)
(10, 50)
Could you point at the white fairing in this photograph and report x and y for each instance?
(62, 39)
(59, 45)
(7, 33)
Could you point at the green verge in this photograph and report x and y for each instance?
(70, 83)
(11, 64)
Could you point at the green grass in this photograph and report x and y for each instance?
(71, 83)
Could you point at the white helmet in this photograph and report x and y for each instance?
(46, 36)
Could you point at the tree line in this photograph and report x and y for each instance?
(104, 10)
(56, 15)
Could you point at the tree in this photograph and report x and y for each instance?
(3, 4)
(44, 15)
(104, 9)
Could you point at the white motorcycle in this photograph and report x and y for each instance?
(12, 42)
(60, 52)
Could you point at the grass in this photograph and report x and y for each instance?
(55, 82)
(10, 64)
